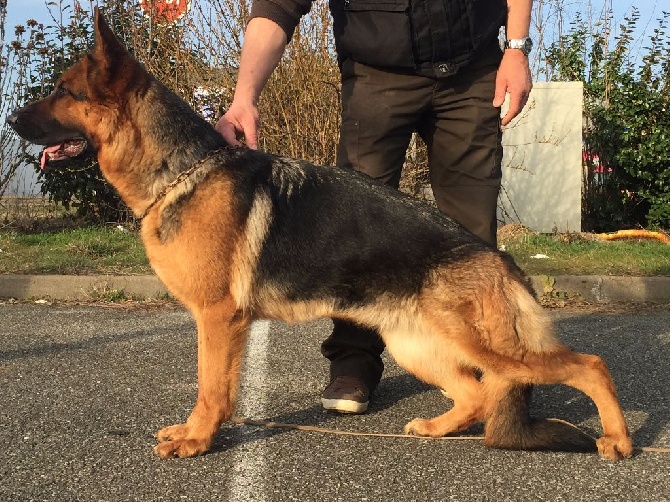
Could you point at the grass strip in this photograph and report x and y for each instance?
(108, 250)
(93, 250)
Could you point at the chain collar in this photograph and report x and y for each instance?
(181, 177)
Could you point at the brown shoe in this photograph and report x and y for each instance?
(346, 394)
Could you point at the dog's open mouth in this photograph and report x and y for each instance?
(66, 150)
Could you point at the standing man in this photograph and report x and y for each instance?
(430, 66)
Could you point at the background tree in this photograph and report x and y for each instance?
(46, 52)
(197, 57)
(13, 61)
(626, 120)
(625, 103)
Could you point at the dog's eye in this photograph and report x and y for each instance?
(61, 91)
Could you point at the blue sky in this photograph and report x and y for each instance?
(18, 11)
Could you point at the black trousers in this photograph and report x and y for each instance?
(461, 128)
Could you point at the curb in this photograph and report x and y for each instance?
(593, 288)
(80, 287)
(605, 289)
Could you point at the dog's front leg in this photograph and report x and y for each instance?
(222, 334)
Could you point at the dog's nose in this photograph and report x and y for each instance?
(18, 121)
(12, 118)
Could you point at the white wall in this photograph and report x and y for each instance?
(542, 161)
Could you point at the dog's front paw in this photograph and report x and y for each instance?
(182, 448)
(173, 432)
(615, 448)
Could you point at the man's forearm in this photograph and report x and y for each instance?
(518, 18)
(264, 44)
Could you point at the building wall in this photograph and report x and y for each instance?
(542, 161)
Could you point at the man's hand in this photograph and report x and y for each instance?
(264, 44)
(514, 79)
(240, 121)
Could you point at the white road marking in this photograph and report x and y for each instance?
(248, 466)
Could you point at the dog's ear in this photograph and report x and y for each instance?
(108, 51)
(111, 66)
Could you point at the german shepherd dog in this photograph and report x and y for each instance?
(237, 235)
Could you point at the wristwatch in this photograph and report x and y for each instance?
(524, 44)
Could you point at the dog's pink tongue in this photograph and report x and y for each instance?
(45, 154)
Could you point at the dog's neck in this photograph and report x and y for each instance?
(181, 177)
(154, 154)
(151, 178)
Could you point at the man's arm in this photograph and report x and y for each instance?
(264, 44)
(265, 38)
(514, 76)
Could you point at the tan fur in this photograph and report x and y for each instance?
(248, 250)
(184, 263)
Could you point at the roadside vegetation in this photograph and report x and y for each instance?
(89, 250)
(117, 250)
(584, 254)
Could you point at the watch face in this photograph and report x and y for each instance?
(527, 46)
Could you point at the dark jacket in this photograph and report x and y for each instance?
(431, 37)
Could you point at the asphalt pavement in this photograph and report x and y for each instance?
(85, 387)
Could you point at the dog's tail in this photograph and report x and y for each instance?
(510, 427)
(509, 424)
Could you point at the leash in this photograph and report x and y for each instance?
(324, 430)
(181, 177)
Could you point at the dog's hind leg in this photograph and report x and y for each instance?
(466, 391)
(517, 348)
(222, 334)
(587, 373)
(429, 355)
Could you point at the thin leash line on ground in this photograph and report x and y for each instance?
(324, 430)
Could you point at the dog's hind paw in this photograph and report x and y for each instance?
(615, 448)
(176, 443)
(422, 427)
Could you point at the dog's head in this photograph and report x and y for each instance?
(84, 106)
